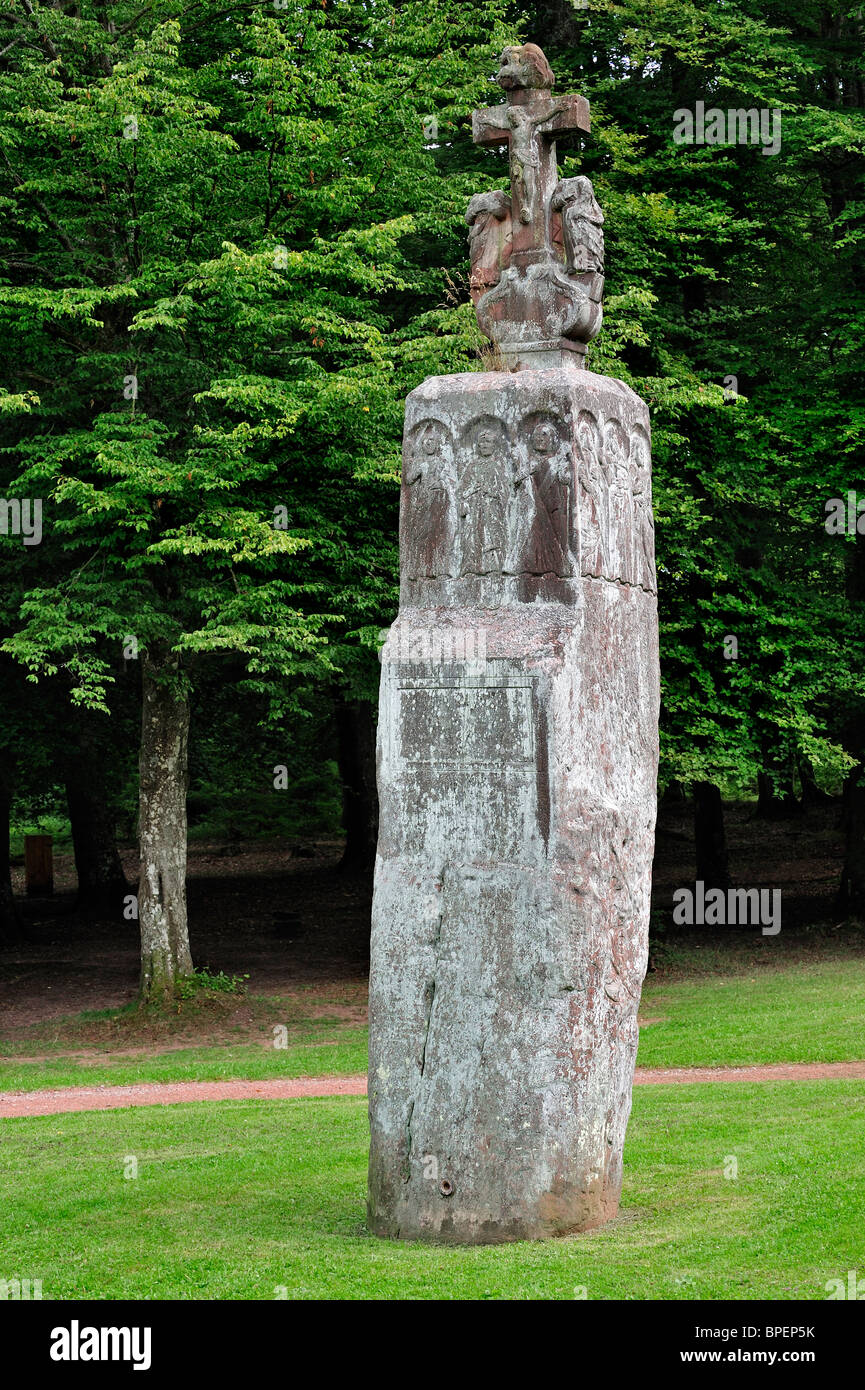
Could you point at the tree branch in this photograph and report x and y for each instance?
(38, 203)
(53, 52)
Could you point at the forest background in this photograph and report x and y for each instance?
(232, 241)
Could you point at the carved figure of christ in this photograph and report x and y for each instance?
(529, 124)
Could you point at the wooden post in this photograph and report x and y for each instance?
(38, 865)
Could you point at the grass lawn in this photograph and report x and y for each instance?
(812, 1012)
(247, 1199)
(799, 1011)
(345, 1055)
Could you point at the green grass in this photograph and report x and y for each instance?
(239, 1200)
(812, 1012)
(213, 1063)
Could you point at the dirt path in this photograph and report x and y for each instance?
(67, 1098)
(778, 1071)
(71, 1098)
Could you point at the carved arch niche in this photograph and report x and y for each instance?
(594, 497)
(616, 447)
(644, 523)
(544, 531)
(428, 517)
(484, 493)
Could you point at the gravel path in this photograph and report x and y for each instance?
(70, 1098)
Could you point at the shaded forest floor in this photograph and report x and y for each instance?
(286, 917)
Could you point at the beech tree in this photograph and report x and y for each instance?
(216, 226)
(736, 307)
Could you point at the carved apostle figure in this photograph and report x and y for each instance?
(616, 446)
(428, 523)
(582, 221)
(594, 500)
(490, 236)
(644, 539)
(484, 490)
(544, 472)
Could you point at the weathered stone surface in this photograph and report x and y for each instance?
(516, 484)
(517, 811)
(491, 236)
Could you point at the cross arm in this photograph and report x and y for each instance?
(490, 126)
(563, 115)
(571, 114)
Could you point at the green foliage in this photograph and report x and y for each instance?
(204, 982)
(723, 263)
(219, 225)
(56, 826)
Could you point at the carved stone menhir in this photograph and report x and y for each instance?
(517, 740)
(537, 276)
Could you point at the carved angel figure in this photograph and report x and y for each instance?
(488, 217)
(582, 221)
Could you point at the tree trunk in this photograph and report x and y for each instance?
(776, 797)
(851, 891)
(812, 795)
(355, 729)
(165, 955)
(10, 923)
(851, 894)
(102, 884)
(709, 836)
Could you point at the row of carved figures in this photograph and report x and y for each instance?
(535, 499)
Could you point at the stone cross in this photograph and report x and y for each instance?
(537, 255)
(529, 125)
(517, 739)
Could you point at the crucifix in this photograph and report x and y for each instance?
(529, 125)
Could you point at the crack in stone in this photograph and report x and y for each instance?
(432, 995)
(407, 1167)
(432, 984)
(623, 583)
(431, 990)
(530, 574)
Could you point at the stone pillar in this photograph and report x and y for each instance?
(517, 764)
